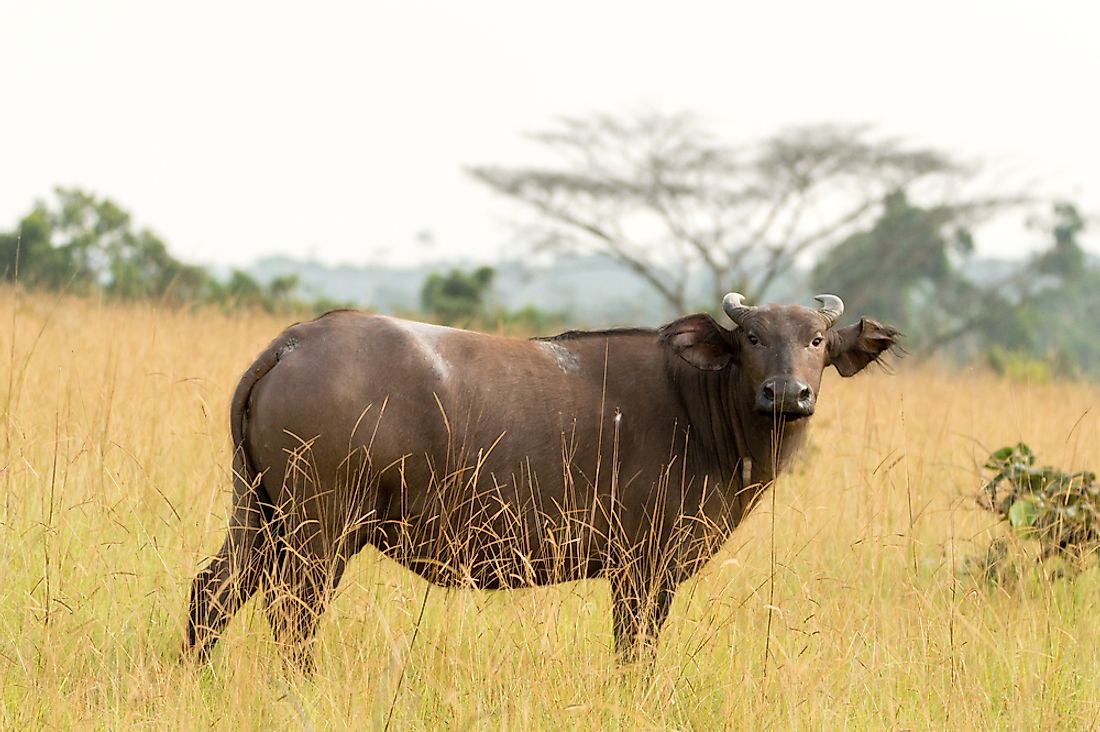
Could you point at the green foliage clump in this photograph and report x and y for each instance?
(456, 296)
(464, 298)
(1059, 509)
(1065, 259)
(1021, 366)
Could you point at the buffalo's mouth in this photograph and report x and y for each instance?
(786, 416)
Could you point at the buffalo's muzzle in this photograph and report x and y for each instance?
(785, 396)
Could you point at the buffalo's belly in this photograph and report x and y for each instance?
(493, 548)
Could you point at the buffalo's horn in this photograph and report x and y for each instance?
(734, 307)
(832, 307)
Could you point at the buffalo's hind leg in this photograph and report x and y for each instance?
(234, 574)
(309, 568)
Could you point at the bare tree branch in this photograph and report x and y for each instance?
(657, 193)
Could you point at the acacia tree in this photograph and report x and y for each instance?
(662, 196)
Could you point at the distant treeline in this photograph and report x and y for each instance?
(908, 267)
(84, 244)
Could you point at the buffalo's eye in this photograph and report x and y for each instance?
(753, 339)
(816, 341)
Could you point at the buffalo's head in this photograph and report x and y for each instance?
(779, 351)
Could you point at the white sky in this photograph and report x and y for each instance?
(236, 129)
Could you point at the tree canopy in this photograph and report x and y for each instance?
(87, 244)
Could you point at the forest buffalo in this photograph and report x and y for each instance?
(490, 462)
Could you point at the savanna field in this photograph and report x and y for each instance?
(115, 485)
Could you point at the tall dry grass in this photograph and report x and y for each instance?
(114, 488)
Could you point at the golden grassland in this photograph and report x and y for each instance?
(115, 487)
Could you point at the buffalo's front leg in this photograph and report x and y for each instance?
(640, 606)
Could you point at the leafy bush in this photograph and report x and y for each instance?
(1060, 510)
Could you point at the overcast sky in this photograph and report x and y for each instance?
(237, 129)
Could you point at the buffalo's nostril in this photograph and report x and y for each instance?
(786, 396)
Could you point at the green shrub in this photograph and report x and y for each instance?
(1059, 509)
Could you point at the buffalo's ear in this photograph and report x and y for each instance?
(700, 341)
(853, 347)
